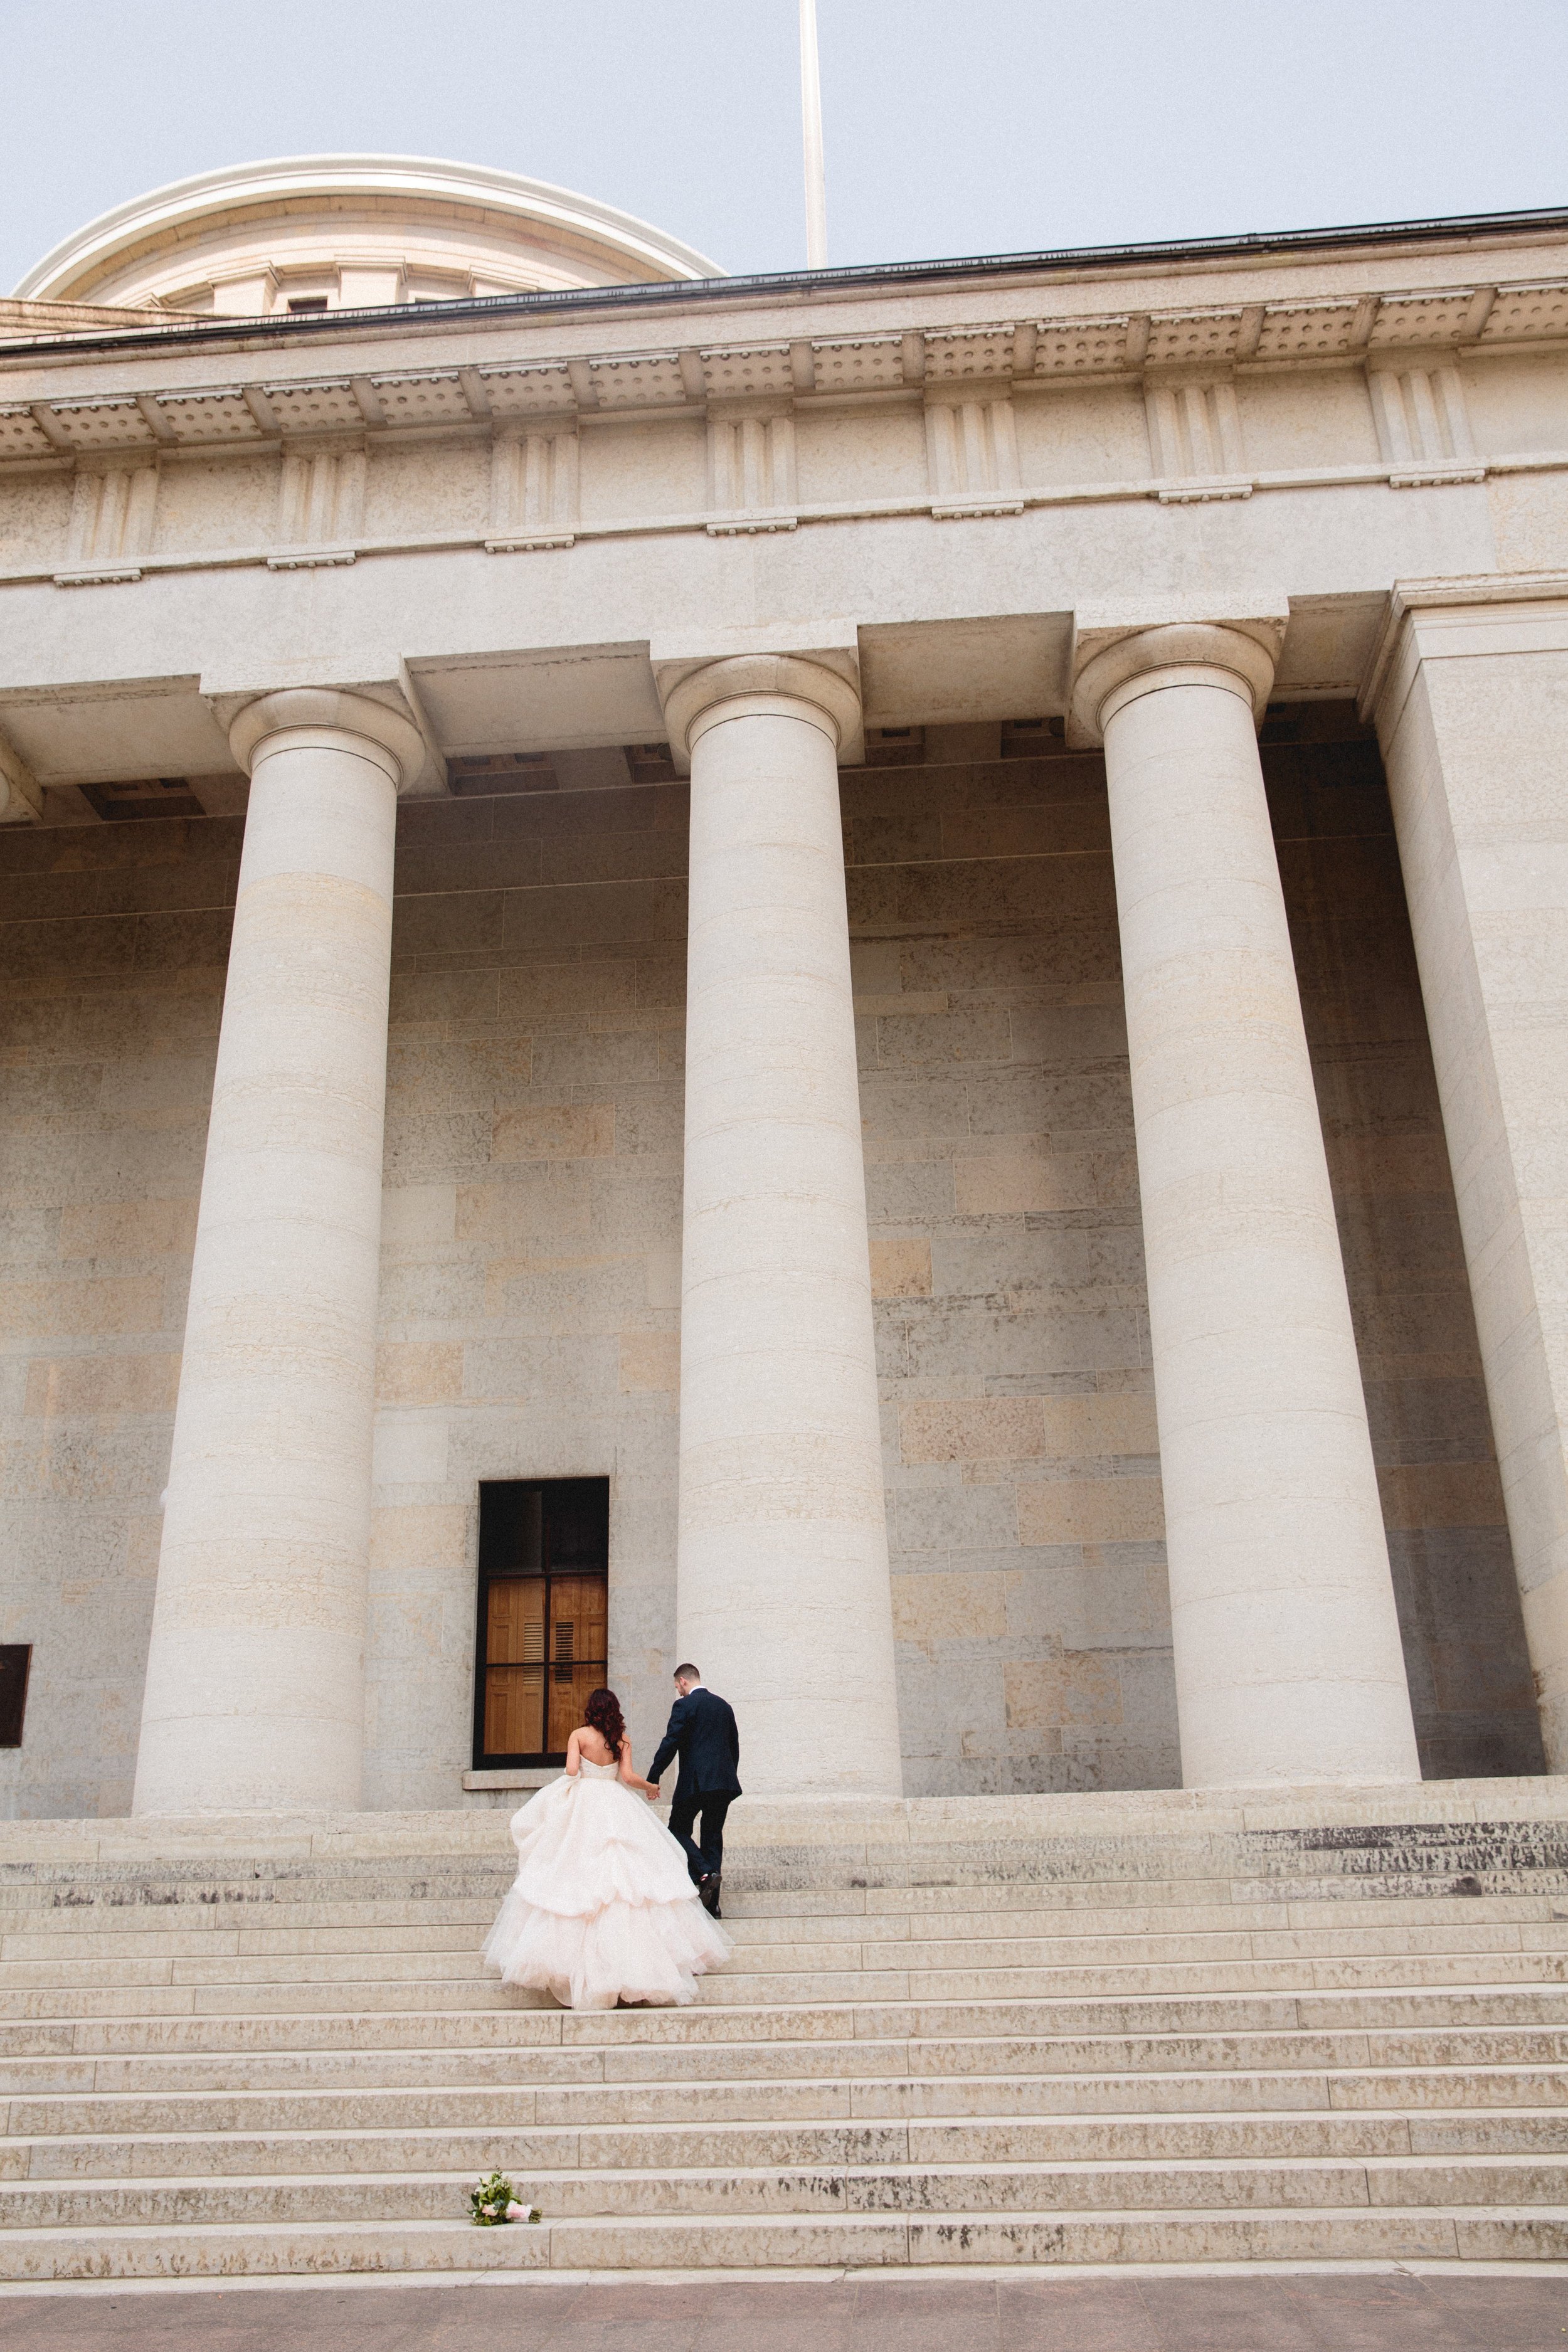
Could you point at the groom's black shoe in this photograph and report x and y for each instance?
(707, 1894)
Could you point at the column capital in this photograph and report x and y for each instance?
(1112, 666)
(697, 691)
(331, 716)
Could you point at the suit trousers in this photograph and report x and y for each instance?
(705, 1858)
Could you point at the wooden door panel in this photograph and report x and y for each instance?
(514, 1710)
(514, 1631)
(582, 1603)
(577, 1631)
(568, 1691)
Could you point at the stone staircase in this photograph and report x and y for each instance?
(1021, 2031)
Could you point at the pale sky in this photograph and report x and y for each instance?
(952, 126)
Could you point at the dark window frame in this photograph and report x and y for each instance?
(499, 1502)
(16, 1673)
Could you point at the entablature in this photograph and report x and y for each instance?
(957, 418)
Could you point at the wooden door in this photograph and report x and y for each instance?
(578, 1627)
(514, 1666)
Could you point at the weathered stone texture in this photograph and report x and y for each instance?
(1442, 1499)
(1025, 1506)
(1024, 1521)
(114, 938)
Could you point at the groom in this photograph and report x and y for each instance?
(702, 1734)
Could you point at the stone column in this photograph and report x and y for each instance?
(782, 1593)
(255, 1691)
(1470, 698)
(1289, 1665)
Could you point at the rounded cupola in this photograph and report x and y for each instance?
(351, 232)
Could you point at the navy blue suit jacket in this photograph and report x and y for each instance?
(702, 1733)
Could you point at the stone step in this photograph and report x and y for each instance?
(452, 2019)
(486, 2139)
(1140, 1919)
(983, 2189)
(1301, 2058)
(392, 1978)
(1395, 1896)
(82, 1956)
(840, 1915)
(98, 2003)
(927, 2243)
(816, 1874)
(161, 1932)
(567, 2106)
(943, 2091)
(88, 1920)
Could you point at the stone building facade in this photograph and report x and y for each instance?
(1149, 1126)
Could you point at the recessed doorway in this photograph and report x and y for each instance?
(543, 1615)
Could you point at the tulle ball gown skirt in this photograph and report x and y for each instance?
(603, 1908)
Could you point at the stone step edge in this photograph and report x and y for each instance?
(299, 2143)
(716, 2225)
(176, 2259)
(648, 2221)
(1017, 2118)
(802, 2274)
(826, 2005)
(1507, 1988)
(1002, 1922)
(750, 2086)
(1160, 2067)
(1456, 2001)
(1225, 2063)
(994, 2169)
(132, 2030)
(83, 1948)
(74, 1894)
(350, 2044)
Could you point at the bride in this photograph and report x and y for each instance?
(603, 1908)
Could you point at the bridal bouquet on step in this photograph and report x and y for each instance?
(494, 2202)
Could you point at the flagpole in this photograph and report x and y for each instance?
(811, 121)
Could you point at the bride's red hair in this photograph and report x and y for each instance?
(603, 1715)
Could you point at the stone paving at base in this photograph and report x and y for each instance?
(1344, 2313)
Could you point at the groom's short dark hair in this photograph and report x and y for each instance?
(682, 1673)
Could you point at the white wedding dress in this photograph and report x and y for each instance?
(603, 1908)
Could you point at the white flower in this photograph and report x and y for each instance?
(518, 2212)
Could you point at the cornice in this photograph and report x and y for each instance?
(1385, 327)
